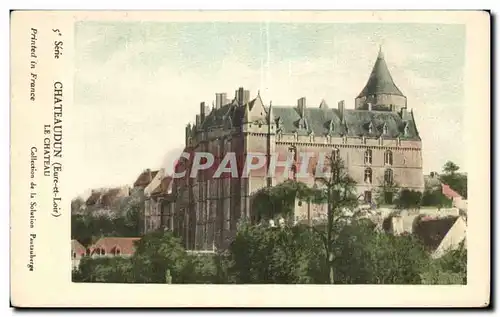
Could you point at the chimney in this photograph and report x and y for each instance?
(301, 106)
(220, 100)
(341, 106)
(198, 120)
(369, 106)
(240, 96)
(202, 111)
(150, 176)
(246, 96)
(187, 133)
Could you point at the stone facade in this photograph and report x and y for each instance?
(378, 141)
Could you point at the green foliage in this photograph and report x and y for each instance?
(199, 269)
(124, 220)
(275, 255)
(457, 182)
(435, 198)
(408, 199)
(450, 168)
(365, 256)
(156, 253)
(451, 177)
(104, 270)
(279, 200)
(451, 268)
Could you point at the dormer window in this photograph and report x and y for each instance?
(370, 128)
(406, 129)
(384, 129)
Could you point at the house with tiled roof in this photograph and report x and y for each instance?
(378, 140)
(145, 178)
(77, 252)
(157, 201)
(113, 246)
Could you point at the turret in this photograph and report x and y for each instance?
(380, 92)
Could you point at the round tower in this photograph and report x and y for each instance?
(380, 92)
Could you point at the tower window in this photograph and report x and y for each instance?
(388, 177)
(388, 157)
(368, 156)
(368, 175)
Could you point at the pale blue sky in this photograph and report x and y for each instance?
(138, 84)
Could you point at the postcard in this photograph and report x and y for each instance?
(250, 159)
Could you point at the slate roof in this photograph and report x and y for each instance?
(317, 120)
(380, 80)
(355, 124)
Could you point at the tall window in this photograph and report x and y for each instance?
(293, 173)
(368, 196)
(388, 177)
(368, 175)
(388, 157)
(368, 156)
(335, 154)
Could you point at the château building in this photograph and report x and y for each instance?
(378, 141)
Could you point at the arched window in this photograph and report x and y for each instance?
(388, 177)
(103, 252)
(368, 156)
(388, 157)
(368, 175)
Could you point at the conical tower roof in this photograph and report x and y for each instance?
(380, 81)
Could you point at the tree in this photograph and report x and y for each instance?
(104, 270)
(457, 181)
(386, 193)
(156, 253)
(435, 198)
(279, 200)
(286, 255)
(409, 199)
(366, 256)
(450, 168)
(338, 190)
